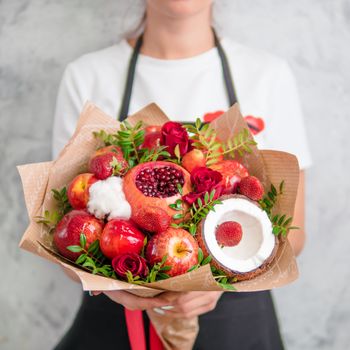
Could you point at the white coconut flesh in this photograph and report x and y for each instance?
(257, 241)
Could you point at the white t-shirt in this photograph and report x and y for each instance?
(186, 89)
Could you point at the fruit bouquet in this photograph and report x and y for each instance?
(150, 205)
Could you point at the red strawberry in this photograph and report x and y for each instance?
(252, 188)
(232, 172)
(105, 164)
(151, 219)
(229, 233)
(255, 124)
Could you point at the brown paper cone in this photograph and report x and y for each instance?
(38, 180)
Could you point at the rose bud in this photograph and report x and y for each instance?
(173, 134)
(204, 180)
(132, 262)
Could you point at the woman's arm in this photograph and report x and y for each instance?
(297, 237)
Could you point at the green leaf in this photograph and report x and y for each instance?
(206, 260)
(227, 286)
(74, 248)
(177, 152)
(194, 267)
(82, 240)
(281, 187)
(276, 230)
(280, 221)
(165, 268)
(178, 216)
(192, 229)
(200, 255)
(80, 259)
(93, 246)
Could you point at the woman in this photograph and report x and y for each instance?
(179, 68)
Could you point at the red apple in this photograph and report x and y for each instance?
(108, 161)
(70, 227)
(193, 159)
(78, 190)
(178, 245)
(120, 237)
(152, 137)
(232, 172)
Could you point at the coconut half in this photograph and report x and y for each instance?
(257, 246)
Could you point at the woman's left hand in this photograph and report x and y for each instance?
(189, 304)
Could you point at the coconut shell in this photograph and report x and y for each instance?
(240, 276)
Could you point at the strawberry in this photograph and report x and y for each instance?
(232, 172)
(151, 219)
(229, 233)
(251, 187)
(106, 164)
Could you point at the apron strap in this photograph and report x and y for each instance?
(124, 109)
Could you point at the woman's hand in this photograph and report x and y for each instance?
(133, 302)
(173, 304)
(189, 304)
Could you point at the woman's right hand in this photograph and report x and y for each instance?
(133, 302)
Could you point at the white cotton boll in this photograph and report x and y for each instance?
(107, 198)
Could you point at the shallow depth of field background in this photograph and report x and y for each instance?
(38, 38)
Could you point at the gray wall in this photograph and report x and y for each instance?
(38, 38)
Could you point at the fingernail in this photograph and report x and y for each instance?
(167, 307)
(159, 311)
(91, 294)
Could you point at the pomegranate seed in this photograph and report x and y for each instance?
(159, 182)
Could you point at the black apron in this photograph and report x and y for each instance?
(240, 321)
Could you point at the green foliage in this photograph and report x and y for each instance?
(92, 258)
(154, 154)
(196, 213)
(107, 139)
(282, 224)
(201, 261)
(158, 271)
(221, 278)
(117, 167)
(240, 143)
(204, 138)
(130, 138)
(51, 218)
(270, 199)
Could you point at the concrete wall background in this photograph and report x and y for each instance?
(38, 38)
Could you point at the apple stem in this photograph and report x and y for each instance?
(184, 250)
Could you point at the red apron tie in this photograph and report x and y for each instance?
(136, 332)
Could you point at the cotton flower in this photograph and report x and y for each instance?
(107, 199)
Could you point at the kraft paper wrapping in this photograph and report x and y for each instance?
(38, 180)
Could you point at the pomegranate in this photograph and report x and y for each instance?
(154, 185)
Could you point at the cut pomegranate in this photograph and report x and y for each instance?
(159, 182)
(154, 185)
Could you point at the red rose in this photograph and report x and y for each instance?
(132, 262)
(173, 134)
(204, 180)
